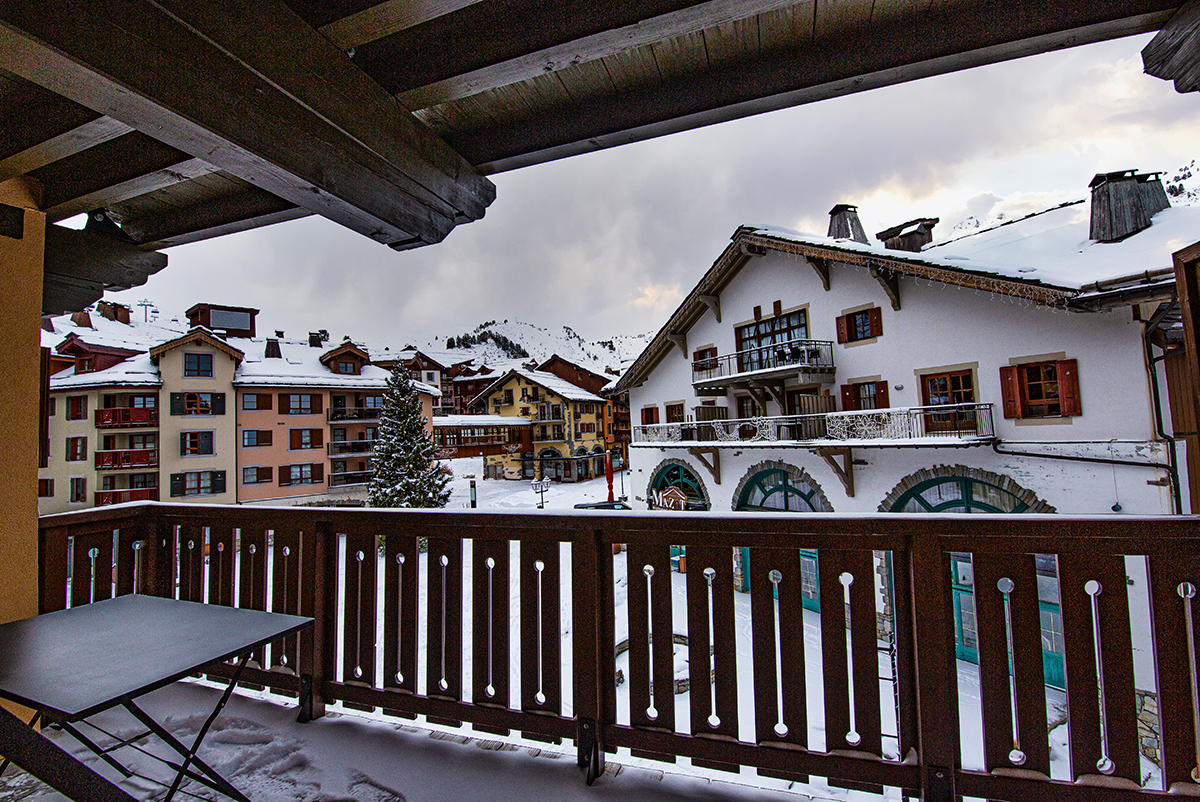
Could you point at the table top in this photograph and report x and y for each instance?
(80, 661)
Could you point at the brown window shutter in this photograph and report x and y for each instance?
(318, 438)
(316, 402)
(1068, 387)
(843, 329)
(264, 402)
(875, 318)
(318, 472)
(1010, 391)
(881, 396)
(285, 476)
(294, 439)
(265, 474)
(284, 403)
(695, 356)
(264, 437)
(849, 397)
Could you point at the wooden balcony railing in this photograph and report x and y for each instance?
(103, 497)
(812, 356)
(354, 413)
(891, 703)
(126, 417)
(122, 459)
(958, 423)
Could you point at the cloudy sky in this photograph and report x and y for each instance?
(609, 242)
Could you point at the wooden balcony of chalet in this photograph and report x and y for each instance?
(105, 497)
(126, 418)
(886, 697)
(807, 360)
(353, 414)
(125, 458)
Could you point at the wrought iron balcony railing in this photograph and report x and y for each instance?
(350, 447)
(343, 478)
(354, 413)
(810, 356)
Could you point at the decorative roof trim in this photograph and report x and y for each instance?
(197, 334)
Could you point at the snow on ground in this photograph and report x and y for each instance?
(506, 495)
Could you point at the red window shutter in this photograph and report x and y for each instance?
(1068, 387)
(285, 403)
(850, 398)
(875, 318)
(294, 438)
(318, 438)
(264, 402)
(1010, 391)
(264, 437)
(696, 356)
(881, 396)
(318, 472)
(316, 402)
(843, 329)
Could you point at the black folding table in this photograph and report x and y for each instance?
(75, 663)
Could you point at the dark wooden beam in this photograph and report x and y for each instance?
(713, 467)
(387, 18)
(713, 302)
(844, 471)
(822, 268)
(1174, 53)
(953, 38)
(680, 341)
(676, 22)
(890, 281)
(240, 211)
(41, 127)
(80, 265)
(252, 89)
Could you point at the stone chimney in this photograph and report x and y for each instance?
(118, 313)
(1118, 206)
(272, 349)
(910, 236)
(844, 223)
(1154, 197)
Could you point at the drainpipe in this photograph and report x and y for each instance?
(1173, 469)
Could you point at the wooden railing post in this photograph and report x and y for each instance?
(587, 555)
(318, 598)
(937, 686)
(52, 568)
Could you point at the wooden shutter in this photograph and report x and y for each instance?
(850, 397)
(294, 439)
(318, 438)
(316, 403)
(206, 442)
(266, 474)
(285, 475)
(183, 443)
(875, 318)
(285, 403)
(218, 482)
(318, 473)
(218, 403)
(176, 403)
(264, 437)
(1010, 391)
(843, 329)
(881, 396)
(263, 401)
(177, 484)
(1068, 387)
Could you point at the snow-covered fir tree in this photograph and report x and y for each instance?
(405, 472)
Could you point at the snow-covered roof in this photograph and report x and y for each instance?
(549, 381)
(300, 365)
(136, 371)
(478, 420)
(135, 336)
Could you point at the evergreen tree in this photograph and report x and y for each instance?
(405, 472)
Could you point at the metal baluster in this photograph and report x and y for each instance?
(852, 737)
(781, 729)
(1006, 586)
(286, 553)
(1187, 591)
(713, 720)
(137, 566)
(490, 690)
(651, 711)
(442, 683)
(540, 697)
(1105, 764)
(358, 556)
(93, 553)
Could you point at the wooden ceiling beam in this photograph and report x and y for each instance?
(679, 22)
(387, 18)
(953, 38)
(79, 266)
(1174, 53)
(252, 89)
(54, 140)
(238, 211)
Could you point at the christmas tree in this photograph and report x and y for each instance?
(405, 472)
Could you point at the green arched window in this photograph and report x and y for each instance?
(776, 490)
(958, 494)
(680, 477)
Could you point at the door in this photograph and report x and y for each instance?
(940, 389)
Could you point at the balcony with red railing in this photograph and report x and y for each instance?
(126, 418)
(103, 497)
(122, 459)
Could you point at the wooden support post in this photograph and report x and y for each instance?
(776, 391)
(890, 282)
(714, 467)
(822, 268)
(713, 302)
(587, 551)
(844, 471)
(318, 598)
(937, 692)
(680, 340)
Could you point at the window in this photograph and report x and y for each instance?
(761, 344)
(747, 407)
(195, 443)
(84, 364)
(78, 490)
(143, 480)
(143, 401)
(865, 395)
(337, 435)
(251, 402)
(373, 402)
(941, 389)
(76, 449)
(430, 376)
(197, 403)
(257, 476)
(45, 488)
(307, 474)
(143, 441)
(1041, 389)
(51, 406)
(299, 403)
(76, 407)
(197, 483)
(674, 413)
(861, 325)
(347, 367)
(649, 416)
(254, 438)
(705, 359)
(198, 365)
(508, 396)
(305, 438)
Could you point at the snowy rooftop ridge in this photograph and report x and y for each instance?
(136, 371)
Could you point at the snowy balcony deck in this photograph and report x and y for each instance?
(895, 427)
(573, 630)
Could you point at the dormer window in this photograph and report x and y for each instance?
(198, 365)
(347, 367)
(83, 364)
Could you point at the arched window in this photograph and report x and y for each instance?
(778, 490)
(958, 494)
(674, 478)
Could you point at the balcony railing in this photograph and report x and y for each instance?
(344, 478)
(126, 417)
(899, 425)
(121, 459)
(350, 447)
(549, 437)
(805, 356)
(103, 497)
(390, 625)
(353, 413)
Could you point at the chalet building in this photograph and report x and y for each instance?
(1018, 368)
(616, 408)
(198, 416)
(433, 369)
(566, 425)
(457, 436)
